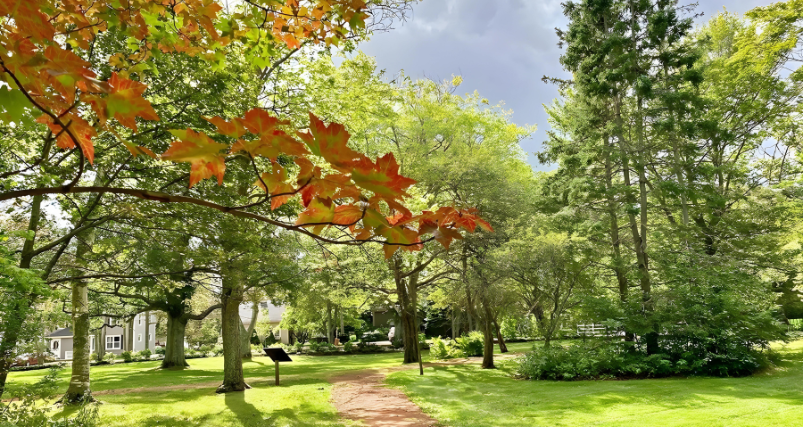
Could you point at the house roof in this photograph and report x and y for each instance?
(64, 332)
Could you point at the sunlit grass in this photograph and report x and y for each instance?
(469, 396)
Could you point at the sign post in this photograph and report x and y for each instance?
(277, 354)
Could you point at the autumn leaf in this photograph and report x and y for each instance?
(259, 122)
(320, 212)
(125, 103)
(234, 128)
(331, 143)
(275, 183)
(79, 128)
(384, 179)
(201, 152)
(347, 215)
(137, 150)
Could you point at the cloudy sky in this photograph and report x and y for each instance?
(501, 48)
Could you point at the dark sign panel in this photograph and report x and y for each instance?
(277, 354)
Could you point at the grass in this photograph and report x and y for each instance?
(469, 396)
(139, 394)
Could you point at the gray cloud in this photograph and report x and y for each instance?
(501, 48)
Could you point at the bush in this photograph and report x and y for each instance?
(422, 342)
(145, 354)
(439, 349)
(110, 358)
(472, 344)
(397, 343)
(622, 360)
(217, 350)
(93, 357)
(127, 356)
(269, 340)
(374, 336)
(363, 347)
(348, 347)
(160, 350)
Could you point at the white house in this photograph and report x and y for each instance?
(274, 313)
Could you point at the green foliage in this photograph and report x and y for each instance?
(348, 347)
(127, 356)
(422, 341)
(472, 344)
(160, 350)
(109, 358)
(599, 360)
(145, 354)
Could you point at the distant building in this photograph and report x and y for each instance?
(275, 313)
(60, 342)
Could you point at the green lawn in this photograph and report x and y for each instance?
(139, 394)
(469, 396)
(145, 396)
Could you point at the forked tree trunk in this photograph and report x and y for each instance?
(174, 347)
(231, 298)
(500, 338)
(245, 343)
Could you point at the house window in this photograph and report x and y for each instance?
(150, 337)
(114, 342)
(140, 319)
(139, 338)
(55, 345)
(92, 344)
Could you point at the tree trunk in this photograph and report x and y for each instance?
(500, 338)
(130, 342)
(79, 390)
(329, 336)
(487, 332)
(231, 298)
(148, 330)
(100, 344)
(245, 342)
(250, 332)
(174, 347)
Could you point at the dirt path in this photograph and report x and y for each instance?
(362, 396)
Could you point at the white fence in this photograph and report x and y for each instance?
(592, 330)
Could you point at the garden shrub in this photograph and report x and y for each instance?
(422, 342)
(269, 340)
(145, 354)
(397, 343)
(160, 350)
(348, 347)
(374, 336)
(439, 349)
(110, 358)
(472, 344)
(594, 360)
(127, 356)
(217, 350)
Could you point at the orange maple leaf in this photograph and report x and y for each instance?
(77, 127)
(125, 103)
(331, 143)
(384, 179)
(201, 152)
